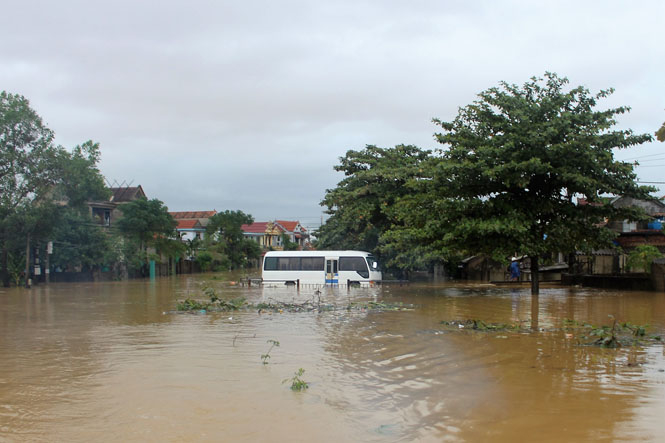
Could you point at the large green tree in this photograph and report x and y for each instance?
(80, 179)
(516, 160)
(361, 207)
(226, 241)
(29, 226)
(78, 241)
(145, 224)
(28, 167)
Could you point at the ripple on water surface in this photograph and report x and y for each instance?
(80, 361)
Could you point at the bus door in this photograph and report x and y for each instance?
(332, 275)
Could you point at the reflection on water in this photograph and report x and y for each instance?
(112, 362)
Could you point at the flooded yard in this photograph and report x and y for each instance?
(114, 362)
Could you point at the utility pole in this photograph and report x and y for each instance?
(47, 264)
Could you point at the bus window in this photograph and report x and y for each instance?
(288, 263)
(357, 264)
(312, 263)
(270, 264)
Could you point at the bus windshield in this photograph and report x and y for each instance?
(372, 263)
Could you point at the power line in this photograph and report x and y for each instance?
(642, 156)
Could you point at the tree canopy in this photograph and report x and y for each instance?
(513, 167)
(146, 220)
(660, 133)
(516, 161)
(27, 154)
(147, 224)
(226, 241)
(362, 206)
(80, 180)
(28, 172)
(78, 240)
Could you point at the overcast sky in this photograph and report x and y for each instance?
(249, 105)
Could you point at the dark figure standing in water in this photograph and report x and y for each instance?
(514, 270)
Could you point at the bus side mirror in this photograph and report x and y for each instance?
(375, 265)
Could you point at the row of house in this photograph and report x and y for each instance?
(598, 262)
(192, 224)
(269, 235)
(630, 235)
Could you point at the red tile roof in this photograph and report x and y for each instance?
(258, 227)
(187, 215)
(188, 224)
(288, 225)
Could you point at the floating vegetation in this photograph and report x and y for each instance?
(280, 307)
(217, 304)
(616, 335)
(381, 306)
(265, 357)
(297, 383)
(479, 325)
(190, 304)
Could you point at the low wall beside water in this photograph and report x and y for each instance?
(628, 282)
(658, 274)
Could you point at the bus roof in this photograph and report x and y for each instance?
(317, 253)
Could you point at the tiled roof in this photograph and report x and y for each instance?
(126, 194)
(185, 215)
(188, 224)
(258, 227)
(255, 228)
(288, 225)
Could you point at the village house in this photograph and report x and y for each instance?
(267, 234)
(296, 232)
(270, 235)
(106, 212)
(192, 224)
(188, 230)
(630, 235)
(598, 262)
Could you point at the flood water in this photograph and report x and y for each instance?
(113, 362)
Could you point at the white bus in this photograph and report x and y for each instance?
(320, 268)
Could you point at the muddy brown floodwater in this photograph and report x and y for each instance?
(112, 362)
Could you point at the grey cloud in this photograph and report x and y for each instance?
(210, 103)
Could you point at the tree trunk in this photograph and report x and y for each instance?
(27, 262)
(5, 271)
(535, 289)
(47, 264)
(535, 310)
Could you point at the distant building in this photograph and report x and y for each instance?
(190, 229)
(106, 212)
(267, 234)
(296, 232)
(192, 224)
(270, 235)
(655, 209)
(630, 235)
